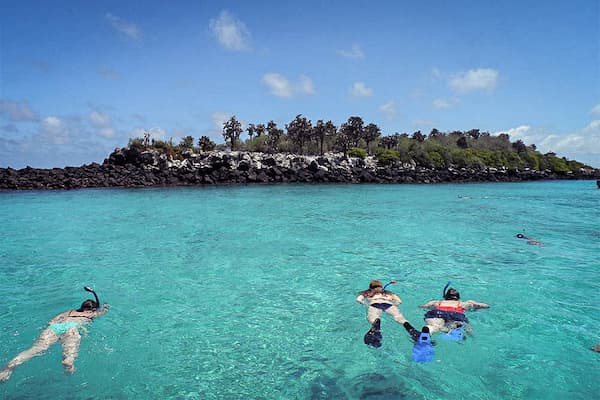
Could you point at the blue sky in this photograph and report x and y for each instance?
(78, 79)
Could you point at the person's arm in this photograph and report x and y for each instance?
(473, 305)
(360, 299)
(431, 304)
(102, 310)
(396, 300)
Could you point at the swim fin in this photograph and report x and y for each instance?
(455, 335)
(423, 350)
(373, 337)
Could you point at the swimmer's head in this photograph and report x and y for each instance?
(452, 294)
(88, 305)
(375, 284)
(520, 235)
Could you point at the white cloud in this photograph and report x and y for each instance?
(281, 86)
(581, 145)
(17, 111)
(359, 89)
(107, 133)
(52, 124)
(99, 119)
(230, 32)
(278, 85)
(305, 85)
(219, 118)
(355, 52)
(442, 104)
(474, 79)
(55, 131)
(595, 109)
(388, 109)
(129, 29)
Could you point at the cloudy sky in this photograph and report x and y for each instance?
(78, 79)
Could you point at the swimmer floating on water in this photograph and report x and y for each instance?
(379, 301)
(65, 327)
(530, 241)
(448, 315)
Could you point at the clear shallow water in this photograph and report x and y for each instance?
(248, 292)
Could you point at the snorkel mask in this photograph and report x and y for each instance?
(97, 302)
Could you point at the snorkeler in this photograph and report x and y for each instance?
(380, 300)
(448, 315)
(66, 327)
(529, 240)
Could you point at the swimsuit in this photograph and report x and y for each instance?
(381, 306)
(448, 314)
(62, 327)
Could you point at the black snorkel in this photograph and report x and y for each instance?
(444, 291)
(89, 289)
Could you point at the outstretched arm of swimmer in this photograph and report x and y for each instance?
(396, 300)
(360, 299)
(431, 304)
(470, 304)
(102, 310)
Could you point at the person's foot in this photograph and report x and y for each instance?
(70, 368)
(5, 374)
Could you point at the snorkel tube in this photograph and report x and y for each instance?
(444, 291)
(89, 289)
(392, 282)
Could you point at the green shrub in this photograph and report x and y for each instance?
(357, 152)
(556, 164)
(387, 156)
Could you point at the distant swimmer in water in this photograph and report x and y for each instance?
(65, 328)
(596, 347)
(448, 315)
(379, 301)
(529, 240)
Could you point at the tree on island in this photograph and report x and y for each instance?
(440, 150)
(232, 129)
(206, 144)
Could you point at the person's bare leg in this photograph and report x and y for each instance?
(43, 342)
(70, 348)
(435, 324)
(396, 314)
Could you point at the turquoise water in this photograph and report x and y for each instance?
(248, 292)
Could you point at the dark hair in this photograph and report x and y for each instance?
(452, 294)
(520, 235)
(88, 305)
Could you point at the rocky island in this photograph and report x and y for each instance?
(309, 154)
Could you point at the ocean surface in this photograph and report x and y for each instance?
(247, 292)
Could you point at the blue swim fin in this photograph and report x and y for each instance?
(423, 350)
(455, 335)
(373, 337)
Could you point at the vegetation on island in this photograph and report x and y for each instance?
(436, 150)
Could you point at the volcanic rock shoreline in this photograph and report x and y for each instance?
(141, 168)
